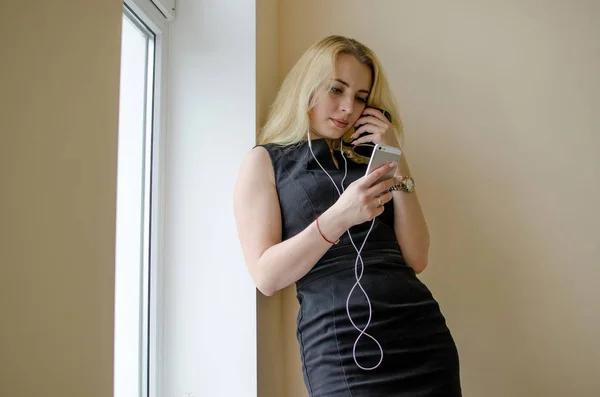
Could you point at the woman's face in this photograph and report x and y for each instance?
(342, 100)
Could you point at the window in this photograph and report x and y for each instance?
(137, 264)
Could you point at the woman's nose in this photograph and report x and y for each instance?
(347, 106)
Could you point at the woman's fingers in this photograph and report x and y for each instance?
(369, 120)
(381, 187)
(385, 197)
(379, 204)
(375, 138)
(370, 179)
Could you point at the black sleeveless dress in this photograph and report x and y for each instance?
(420, 358)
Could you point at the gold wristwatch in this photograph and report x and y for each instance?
(407, 184)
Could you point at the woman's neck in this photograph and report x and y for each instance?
(332, 144)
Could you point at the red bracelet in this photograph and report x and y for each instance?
(322, 235)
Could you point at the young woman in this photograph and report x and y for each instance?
(353, 245)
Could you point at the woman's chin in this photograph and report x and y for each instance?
(333, 134)
(327, 135)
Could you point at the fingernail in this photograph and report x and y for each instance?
(399, 178)
(393, 164)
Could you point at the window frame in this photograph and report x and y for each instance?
(151, 353)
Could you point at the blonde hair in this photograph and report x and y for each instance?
(288, 120)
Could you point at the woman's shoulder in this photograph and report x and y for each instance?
(257, 164)
(277, 151)
(264, 156)
(266, 160)
(270, 151)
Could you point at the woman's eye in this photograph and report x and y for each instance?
(336, 90)
(362, 100)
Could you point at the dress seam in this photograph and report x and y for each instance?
(298, 186)
(303, 356)
(336, 338)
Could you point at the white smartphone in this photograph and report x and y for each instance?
(383, 154)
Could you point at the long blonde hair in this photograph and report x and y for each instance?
(288, 119)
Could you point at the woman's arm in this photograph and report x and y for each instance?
(409, 224)
(409, 221)
(274, 264)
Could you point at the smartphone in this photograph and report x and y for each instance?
(383, 154)
(387, 115)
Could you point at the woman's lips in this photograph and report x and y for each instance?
(340, 123)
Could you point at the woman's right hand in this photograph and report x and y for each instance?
(364, 199)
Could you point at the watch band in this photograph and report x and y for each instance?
(407, 184)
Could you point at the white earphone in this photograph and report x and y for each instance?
(356, 274)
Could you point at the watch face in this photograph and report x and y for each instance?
(410, 184)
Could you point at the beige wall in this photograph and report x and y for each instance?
(58, 103)
(270, 355)
(500, 100)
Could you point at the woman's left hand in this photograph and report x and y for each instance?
(380, 130)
